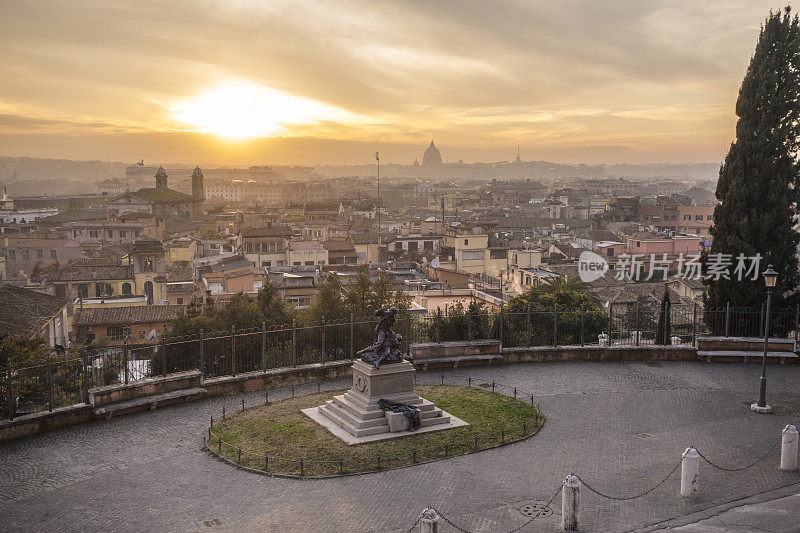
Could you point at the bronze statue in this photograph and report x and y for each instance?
(387, 344)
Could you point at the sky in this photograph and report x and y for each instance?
(320, 82)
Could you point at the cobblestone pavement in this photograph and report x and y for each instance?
(620, 426)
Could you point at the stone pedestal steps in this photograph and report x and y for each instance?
(363, 420)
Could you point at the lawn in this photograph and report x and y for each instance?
(279, 438)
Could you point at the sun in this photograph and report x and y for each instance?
(244, 109)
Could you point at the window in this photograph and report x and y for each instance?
(272, 247)
(466, 242)
(610, 252)
(709, 217)
(266, 263)
(638, 244)
(83, 290)
(93, 233)
(126, 289)
(40, 254)
(110, 234)
(698, 217)
(687, 217)
(11, 254)
(135, 233)
(54, 255)
(472, 256)
(297, 263)
(280, 263)
(117, 333)
(179, 300)
(148, 264)
(249, 247)
(123, 234)
(26, 255)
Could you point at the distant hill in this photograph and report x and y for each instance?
(34, 168)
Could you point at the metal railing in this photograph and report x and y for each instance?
(62, 380)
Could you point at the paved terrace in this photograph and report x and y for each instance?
(621, 426)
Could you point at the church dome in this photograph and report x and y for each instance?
(432, 156)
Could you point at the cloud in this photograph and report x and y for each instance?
(515, 72)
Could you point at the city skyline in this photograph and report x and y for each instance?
(317, 83)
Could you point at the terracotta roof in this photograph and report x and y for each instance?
(339, 245)
(370, 238)
(180, 274)
(272, 231)
(122, 316)
(23, 311)
(155, 195)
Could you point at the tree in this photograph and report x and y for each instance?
(663, 329)
(758, 182)
(329, 302)
(274, 310)
(359, 293)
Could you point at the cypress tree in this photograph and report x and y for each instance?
(760, 179)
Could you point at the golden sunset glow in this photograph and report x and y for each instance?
(307, 81)
(243, 109)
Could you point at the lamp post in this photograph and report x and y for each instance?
(770, 277)
(378, 210)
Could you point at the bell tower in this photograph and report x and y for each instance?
(198, 190)
(161, 178)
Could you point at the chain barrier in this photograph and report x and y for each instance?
(635, 496)
(724, 469)
(462, 530)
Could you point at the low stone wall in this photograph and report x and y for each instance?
(44, 421)
(437, 350)
(111, 394)
(279, 377)
(552, 354)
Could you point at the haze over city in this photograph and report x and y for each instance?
(311, 82)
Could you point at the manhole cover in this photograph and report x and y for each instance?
(213, 522)
(535, 510)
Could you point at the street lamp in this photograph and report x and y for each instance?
(770, 277)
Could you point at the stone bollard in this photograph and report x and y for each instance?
(570, 501)
(789, 448)
(675, 341)
(690, 472)
(429, 522)
(602, 340)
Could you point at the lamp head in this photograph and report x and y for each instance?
(770, 277)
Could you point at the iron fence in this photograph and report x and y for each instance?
(59, 381)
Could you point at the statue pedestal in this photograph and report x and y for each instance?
(356, 416)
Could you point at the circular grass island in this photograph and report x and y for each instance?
(277, 439)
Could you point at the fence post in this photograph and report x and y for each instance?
(85, 359)
(408, 332)
(555, 327)
(294, 342)
(429, 521)
(789, 438)
(469, 325)
(352, 339)
(233, 350)
(694, 323)
(796, 322)
(323, 339)
(201, 354)
(438, 325)
(49, 383)
(263, 346)
(610, 318)
(690, 472)
(125, 359)
(528, 325)
(638, 327)
(582, 320)
(163, 356)
(727, 319)
(501, 327)
(570, 502)
(10, 384)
